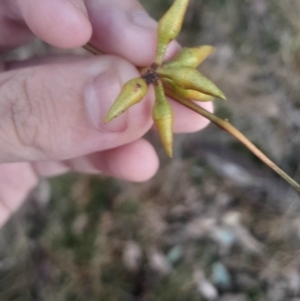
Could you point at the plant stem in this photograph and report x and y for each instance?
(226, 126)
(92, 49)
(223, 124)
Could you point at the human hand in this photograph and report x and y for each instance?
(52, 109)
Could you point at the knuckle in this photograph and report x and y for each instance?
(23, 110)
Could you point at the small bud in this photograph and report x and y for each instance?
(169, 27)
(190, 57)
(163, 118)
(132, 92)
(190, 94)
(190, 78)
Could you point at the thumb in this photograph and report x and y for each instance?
(56, 111)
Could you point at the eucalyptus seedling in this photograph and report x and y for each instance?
(180, 80)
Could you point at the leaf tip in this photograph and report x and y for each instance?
(169, 150)
(224, 97)
(221, 95)
(107, 119)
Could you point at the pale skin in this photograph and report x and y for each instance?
(52, 109)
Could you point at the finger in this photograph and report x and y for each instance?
(128, 23)
(186, 120)
(56, 111)
(13, 32)
(60, 23)
(50, 168)
(55, 59)
(136, 161)
(124, 28)
(16, 181)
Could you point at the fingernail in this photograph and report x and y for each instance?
(99, 95)
(141, 18)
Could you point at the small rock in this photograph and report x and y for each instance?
(132, 256)
(225, 237)
(293, 279)
(159, 263)
(175, 254)
(232, 218)
(199, 227)
(205, 287)
(220, 276)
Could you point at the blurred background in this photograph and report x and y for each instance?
(214, 223)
